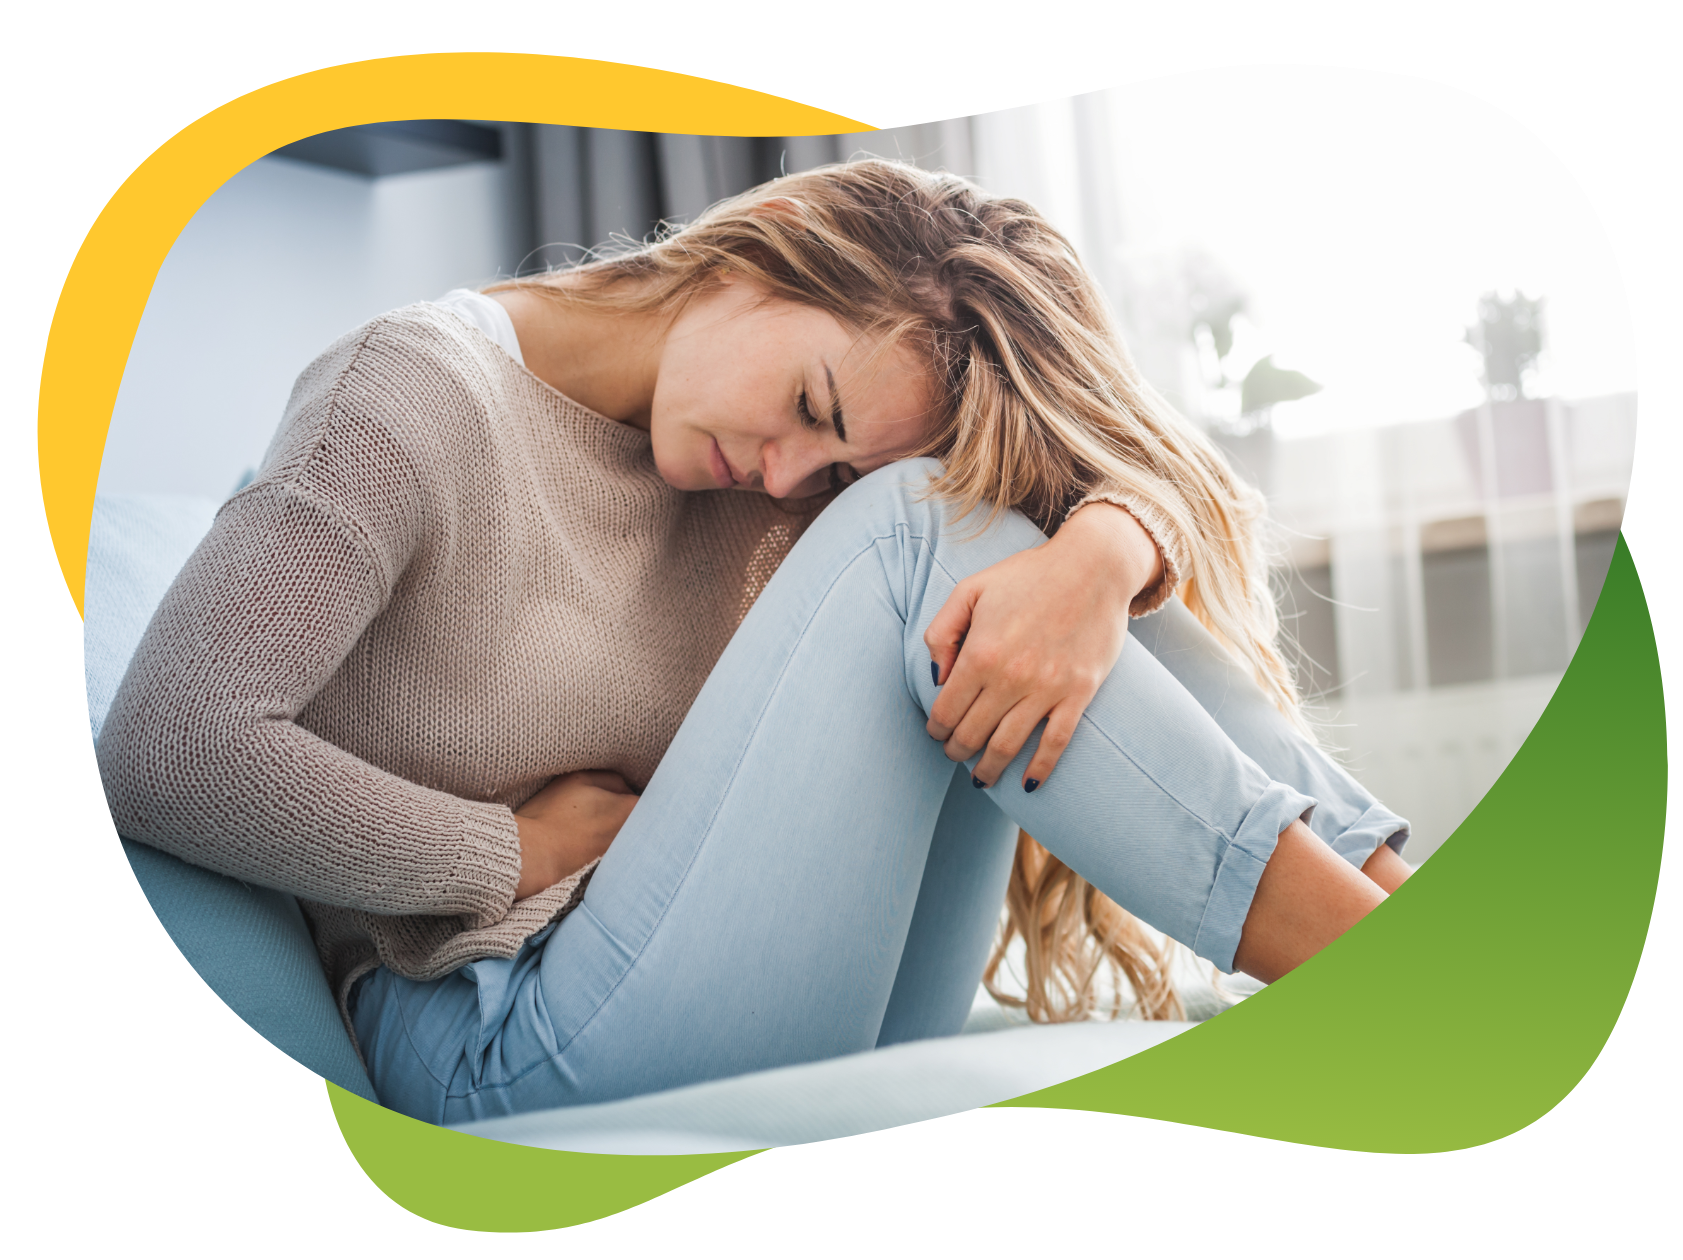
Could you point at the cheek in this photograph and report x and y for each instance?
(680, 450)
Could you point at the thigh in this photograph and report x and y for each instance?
(956, 918)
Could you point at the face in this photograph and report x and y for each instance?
(756, 393)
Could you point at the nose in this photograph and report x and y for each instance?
(786, 466)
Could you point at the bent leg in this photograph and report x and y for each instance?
(956, 916)
(755, 908)
(969, 865)
(1347, 817)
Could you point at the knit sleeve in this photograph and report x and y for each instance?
(202, 754)
(1171, 547)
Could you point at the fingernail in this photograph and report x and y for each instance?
(935, 673)
(1030, 784)
(975, 782)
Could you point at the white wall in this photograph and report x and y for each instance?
(1432, 755)
(284, 259)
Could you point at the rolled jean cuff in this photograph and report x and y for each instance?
(1241, 870)
(1356, 843)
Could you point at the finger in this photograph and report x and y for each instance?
(946, 633)
(607, 780)
(544, 796)
(1060, 729)
(963, 683)
(979, 723)
(1008, 739)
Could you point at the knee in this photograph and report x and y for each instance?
(903, 476)
(899, 491)
(901, 494)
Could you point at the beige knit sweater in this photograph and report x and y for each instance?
(449, 584)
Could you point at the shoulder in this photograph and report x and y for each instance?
(415, 350)
(387, 424)
(417, 378)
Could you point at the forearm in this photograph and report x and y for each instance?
(202, 754)
(270, 803)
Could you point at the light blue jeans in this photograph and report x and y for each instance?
(806, 875)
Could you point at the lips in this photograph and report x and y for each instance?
(722, 473)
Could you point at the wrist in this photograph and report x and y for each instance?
(537, 858)
(1116, 543)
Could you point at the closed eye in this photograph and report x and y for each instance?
(841, 475)
(808, 420)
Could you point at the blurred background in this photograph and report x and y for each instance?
(1388, 303)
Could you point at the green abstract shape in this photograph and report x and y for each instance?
(1476, 998)
(472, 1182)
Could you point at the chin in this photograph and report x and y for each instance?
(679, 480)
(678, 476)
(685, 468)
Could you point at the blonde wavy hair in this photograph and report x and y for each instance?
(1038, 404)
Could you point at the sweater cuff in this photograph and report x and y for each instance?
(1170, 547)
(488, 868)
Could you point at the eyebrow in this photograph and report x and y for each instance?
(835, 405)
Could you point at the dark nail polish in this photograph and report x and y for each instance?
(1030, 784)
(975, 782)
(935, 673)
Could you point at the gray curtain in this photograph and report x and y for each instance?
(591, 187)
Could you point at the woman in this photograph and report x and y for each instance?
(442, 654)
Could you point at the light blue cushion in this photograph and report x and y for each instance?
(249, 944)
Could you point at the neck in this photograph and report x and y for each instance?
(602, 359)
